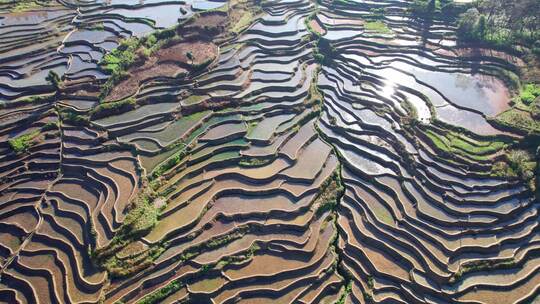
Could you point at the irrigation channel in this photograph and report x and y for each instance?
(236, 165)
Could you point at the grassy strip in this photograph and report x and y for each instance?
(201, 66)
(482, 265)
(377, 26)
(161, 294)
(460, 144)
(35, 99)
(26, 5)
(228, 260)
(251, 162)
(113, 108)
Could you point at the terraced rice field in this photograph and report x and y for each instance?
(263, 176)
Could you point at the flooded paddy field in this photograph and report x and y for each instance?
(225, 161)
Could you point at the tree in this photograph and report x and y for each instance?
(431, 6)
(423, 8)
(467, 24)
(190, 56)
(54, 80)
(481, 28)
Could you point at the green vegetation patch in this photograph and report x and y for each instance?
(128, 52)
(377, 26)
(314, 95)
(20, 6)
(23, 142)
(160, 294)
(428, 9)
(169, 163)
(324, 51)
(377, 12)
(343, 296)
(423, 7)
(121, 57)
(505, 26)
(141, 218)
(520, 119)
(69, 115)
(52, 125)
(328, 197)
(520, 163)
(244, 22)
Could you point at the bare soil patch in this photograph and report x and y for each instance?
(201, 51)
(316, 26)
(210, 20)
(166, 62)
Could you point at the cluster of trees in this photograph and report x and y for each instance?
(502, 22)
(427, 9)
(324, 51)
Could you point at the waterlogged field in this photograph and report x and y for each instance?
(257, 152)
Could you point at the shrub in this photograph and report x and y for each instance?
(377, 12)
(72, 117)
(143, 53)
(168, 164)
(190, 56)
(54, 79)
(501, 169)
(330, 194)
(165, 34)
(53, 125)
(529, 93)
(520, 162)
(536, 48)
(467, 24)
(150, 41)
(535, 108)
(141, 218)
(324, 51)
(319, 57)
